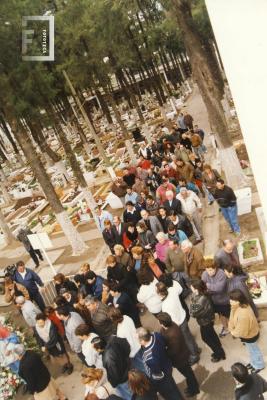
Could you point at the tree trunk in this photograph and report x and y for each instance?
(87, 121)
(125, 86)
(8, 235)
(77, 171)
(6, 196)
(77, 244)
(128, 143)
(2, 154)
(209, 90)
(8, 134)
(104, 105)
(40, 140)
(176, 69)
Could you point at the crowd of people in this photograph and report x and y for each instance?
(156, 267)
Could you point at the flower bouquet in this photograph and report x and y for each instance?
(9, 383)
(28, 340)
(254, 287)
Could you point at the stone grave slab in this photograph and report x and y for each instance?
(256, 258)
(46, 273)
(53, 256)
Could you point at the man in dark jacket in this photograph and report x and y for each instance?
(131, 213)
(152, 222)
(118, 228)
(116, 361)
(36, 255)
(172, 204)
(157, 364)
(249, 386)
(100, 320)
(226, 199)
(181, 222)
(109, 235)
(178, 352)
(94, 284)
(124, 276)
(128, 177)
(31, 281)
(34, 372)
(124, 302)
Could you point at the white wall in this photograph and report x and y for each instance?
(240, 28)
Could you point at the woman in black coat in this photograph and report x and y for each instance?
(36, 375)
(62, 282)
(124, 276)
(49, 340)
(109, 235)
(201, 308)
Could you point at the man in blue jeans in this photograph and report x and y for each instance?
(157, 364)
(227, 201)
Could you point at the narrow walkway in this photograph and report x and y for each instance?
(196, 107)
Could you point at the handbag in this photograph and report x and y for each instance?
(104, 387)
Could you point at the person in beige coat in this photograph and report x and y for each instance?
(244, 325)
(193, 259)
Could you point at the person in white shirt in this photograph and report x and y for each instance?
(102, 215)
(126, 329)
(144, 151)
(172, 305)
(92, 357)
(147, 294)
(192, 208)
(29, 310)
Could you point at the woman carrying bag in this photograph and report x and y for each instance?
(201, 308)
(96, 382)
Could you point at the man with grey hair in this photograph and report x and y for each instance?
(29, 310)
(172, 204)
(192, 208)
(101, 322)
(157, 364)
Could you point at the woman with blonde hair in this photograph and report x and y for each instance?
(122, 257)
(95, 381)
(84, 269)
(137, 253)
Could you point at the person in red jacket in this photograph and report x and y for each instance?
(143, 163)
